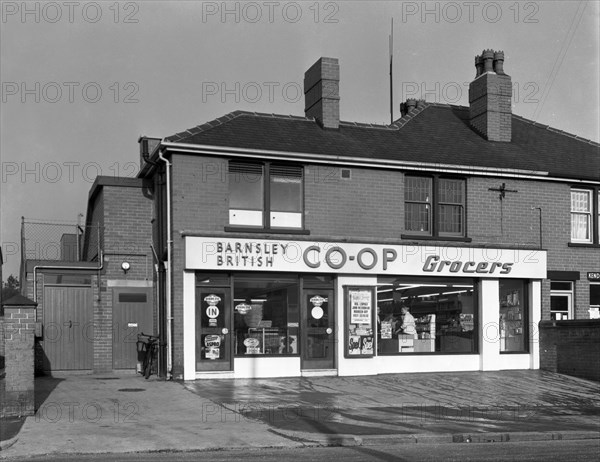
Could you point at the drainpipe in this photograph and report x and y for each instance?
(169, 315)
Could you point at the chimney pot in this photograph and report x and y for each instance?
(488, 60)
(499, 62)
(420, 103)
(478, 65)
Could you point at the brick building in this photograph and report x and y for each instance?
(288, 246)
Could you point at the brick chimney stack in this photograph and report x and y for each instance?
(490, 95)
(321, 92)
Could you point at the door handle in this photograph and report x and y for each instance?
(70, 324)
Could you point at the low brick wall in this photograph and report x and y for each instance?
(571, 347)
(17, 387)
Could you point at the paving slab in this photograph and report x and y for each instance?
(120, 413)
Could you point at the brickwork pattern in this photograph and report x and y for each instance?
(18, 386)
(490, 106)
(127, 221)
(370, 206)
(571, 347)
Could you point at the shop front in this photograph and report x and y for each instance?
(274, 308)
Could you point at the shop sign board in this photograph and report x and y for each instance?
(594, 276)
(228, 254)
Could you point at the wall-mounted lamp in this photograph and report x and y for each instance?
(125, 266)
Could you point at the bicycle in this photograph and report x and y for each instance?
(150, 344)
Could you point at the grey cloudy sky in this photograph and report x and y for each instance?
(82, 80)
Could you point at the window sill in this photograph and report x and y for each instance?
(584, 244)
(245, 229)
(415, 237)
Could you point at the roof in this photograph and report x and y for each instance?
(19, 300)
(118, 181)
(436, 133)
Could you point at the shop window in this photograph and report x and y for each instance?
(266, 315)
(561, 300)
(266, 196)
(513, 316)
(434, 206)
(426, 315)
(594, 300)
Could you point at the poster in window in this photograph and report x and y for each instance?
(359, 317)
(360, 306)
(354, 345)
(366, 345)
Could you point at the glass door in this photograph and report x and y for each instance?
(318, 329)
(213, 325)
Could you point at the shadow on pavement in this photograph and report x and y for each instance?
(44, 385)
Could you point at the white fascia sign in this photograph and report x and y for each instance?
(206, 253)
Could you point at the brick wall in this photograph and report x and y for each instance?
(17, 390)
(127, 220)
(370, 207)
(571, 347)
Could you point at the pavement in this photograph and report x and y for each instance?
(121, 413)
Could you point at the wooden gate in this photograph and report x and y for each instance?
(68, 328)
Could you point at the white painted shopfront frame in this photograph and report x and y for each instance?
(415, 261)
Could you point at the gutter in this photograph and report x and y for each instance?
(169, 314)
(373, 163)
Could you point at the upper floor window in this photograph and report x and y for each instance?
(266, 195)
(581, 215)
(585, 215)
(434, 206)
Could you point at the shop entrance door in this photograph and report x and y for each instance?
(213, 329)
(318, 329)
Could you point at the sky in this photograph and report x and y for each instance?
(81, 81)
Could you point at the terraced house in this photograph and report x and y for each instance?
(287, 246)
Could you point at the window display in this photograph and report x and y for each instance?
(266, 316)
(426, 315)
(513, 314)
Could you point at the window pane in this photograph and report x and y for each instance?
(245, 186)
(417, 189)
(580, 201)
(67, 279)
(595, 294)
(286, 189)
(513, 313)
(416, 217)
(266, 315)
(442, 316)
(132, 297)
(580, 227)
(451, 191)
(559, 285)
(450, 219)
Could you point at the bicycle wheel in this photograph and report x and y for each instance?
(148, 363)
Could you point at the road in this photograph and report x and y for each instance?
(572, 450)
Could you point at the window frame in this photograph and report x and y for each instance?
(593, 220)
(569, 293)
(434, 214)
(266, 201)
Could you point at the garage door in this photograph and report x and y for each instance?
(68, 328)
